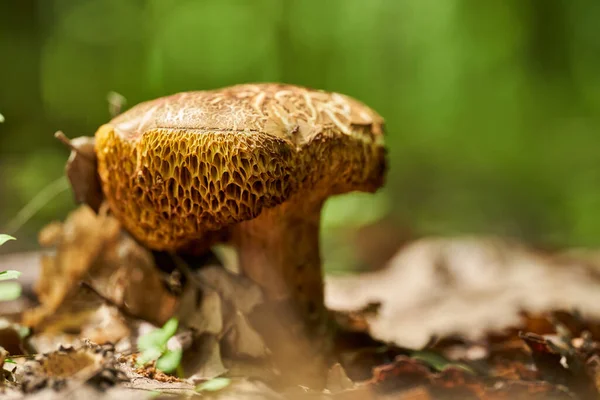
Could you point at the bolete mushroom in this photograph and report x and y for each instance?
(255, 162)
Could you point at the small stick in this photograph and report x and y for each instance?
(116, 101)
(109, 301)
(67, 142)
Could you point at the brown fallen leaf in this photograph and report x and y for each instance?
(82, 237)
(79, 241)
(81, 170)
(465, 286)
(202, 360)
(127, 276)
(238, 290)
(96, 278)
(201, 310)
(242, 340)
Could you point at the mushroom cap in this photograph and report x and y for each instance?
(177, 169)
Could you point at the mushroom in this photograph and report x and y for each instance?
(252, 163)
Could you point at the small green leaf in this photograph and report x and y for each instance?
(9, 361)
(170, 327)
(437, 361)
(169, 361)
(151, 340)
(154, 347)
(9, 291)
(159, 337)
(10, 274)
(5, 238)
(148, 355)
(214, 385)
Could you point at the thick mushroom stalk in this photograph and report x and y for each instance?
(279, 250)
(257, 161)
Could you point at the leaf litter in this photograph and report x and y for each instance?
(479, 318)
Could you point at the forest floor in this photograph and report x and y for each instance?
(459, 318)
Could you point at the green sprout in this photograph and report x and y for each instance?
(153, 347)
(9, 290)
(437, 361)
(5, 238)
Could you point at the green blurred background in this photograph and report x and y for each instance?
(491, 106)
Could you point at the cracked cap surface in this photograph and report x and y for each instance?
(179, 168)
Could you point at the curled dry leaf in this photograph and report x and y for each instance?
(201, 310)
(127, 276)
(78, 244)
(119, 279)
(440, 287)
(202, 361)
(235, 289)
(81, 169)
(242, 340)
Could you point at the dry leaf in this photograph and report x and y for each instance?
(201, 311)
(119, 275)
(243, 341)
(83, 236)
(438, 287)
(238, 290)
(127, 276)
(202, 361)
(81, 169)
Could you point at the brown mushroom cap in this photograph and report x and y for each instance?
(179, 168)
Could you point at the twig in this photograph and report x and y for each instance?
(116, 101)
(67, 142)
(109, 301)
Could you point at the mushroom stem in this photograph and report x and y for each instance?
(279, 250)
